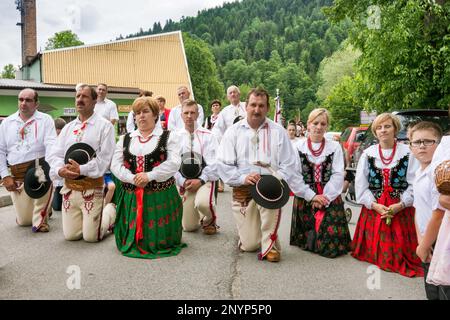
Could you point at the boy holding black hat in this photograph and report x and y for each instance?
(81, 156)
(197, 176)
(26, 136)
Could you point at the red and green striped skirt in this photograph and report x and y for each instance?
(161, 223)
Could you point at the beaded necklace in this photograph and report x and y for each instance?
(388, 160)
(319, 151)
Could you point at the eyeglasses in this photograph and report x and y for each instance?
(26, 100)
(425, 142)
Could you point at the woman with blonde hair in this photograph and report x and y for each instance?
(385, 233)
(149, 208)
(318, 221)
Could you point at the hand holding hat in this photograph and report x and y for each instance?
(270, 191)
(252, 178)
(78, 154)
(73, 166)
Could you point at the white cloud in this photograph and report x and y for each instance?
(93, 21)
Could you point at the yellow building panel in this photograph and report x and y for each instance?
(155, 63)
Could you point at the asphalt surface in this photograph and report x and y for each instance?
(44, 266)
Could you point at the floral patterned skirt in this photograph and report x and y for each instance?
(390, 247)
(333, 237)
(162, 230)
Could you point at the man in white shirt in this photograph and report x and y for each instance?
(231, 113)
(105, 107)
(25, 136)
(108, 110)
(175, 121)
(199, 205)
(249, 141)
(83, 215)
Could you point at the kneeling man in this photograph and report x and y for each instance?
(82, 155)
(197, 177)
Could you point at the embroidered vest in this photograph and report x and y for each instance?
(397, 178)
(309, 167)
(151, 160)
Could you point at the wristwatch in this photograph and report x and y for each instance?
(202, 181)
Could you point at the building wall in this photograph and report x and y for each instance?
(59, 106)
(8, 105)
(155, 63)
(34, 72)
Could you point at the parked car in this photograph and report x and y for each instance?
(351, 138)
(407, 118)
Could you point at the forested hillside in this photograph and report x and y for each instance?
(272, 43)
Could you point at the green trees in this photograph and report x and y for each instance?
(334, 68)
(405, 47)
(203, 71)
(268, 43)
(336, 90)
(63, 39)
(8, 72)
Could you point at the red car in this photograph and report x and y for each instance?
(351, 138)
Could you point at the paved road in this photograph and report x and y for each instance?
(39, 266)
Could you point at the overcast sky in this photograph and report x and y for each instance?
(93, 21)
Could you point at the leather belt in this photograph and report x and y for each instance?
(84, 184)
(242, 195)
(18, 171)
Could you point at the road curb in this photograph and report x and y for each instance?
(5, 201)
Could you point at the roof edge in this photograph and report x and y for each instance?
(110, 42)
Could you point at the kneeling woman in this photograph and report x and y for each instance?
(385, 234)
(149, 208)
(319, 223)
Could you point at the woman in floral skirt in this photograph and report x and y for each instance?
(318, 221)
(385, 234)
(149, 208)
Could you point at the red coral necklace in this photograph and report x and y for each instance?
(317, 152)
(389, 159)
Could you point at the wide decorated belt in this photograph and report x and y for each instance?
(84, 184)
(242, 195)
(18, 171)
(152, 186)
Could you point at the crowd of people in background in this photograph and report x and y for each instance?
(162, 178)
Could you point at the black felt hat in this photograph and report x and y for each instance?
(80, 152)
(270, 192)
(238, 118)
(33, 187)
(192, 165)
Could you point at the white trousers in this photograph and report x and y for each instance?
(257, 227)
(83, 215)
(199, 208)
(31, 212)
